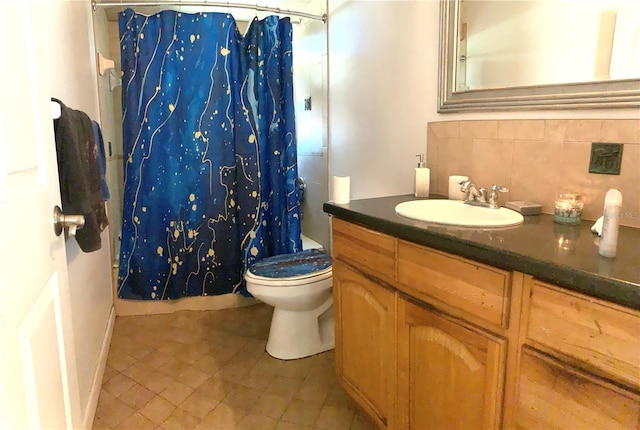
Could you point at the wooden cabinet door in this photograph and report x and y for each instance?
(552, 395)
(365, 340)
(450, 375)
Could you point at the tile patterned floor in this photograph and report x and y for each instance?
(209, 370)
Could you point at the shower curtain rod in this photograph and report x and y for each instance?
(256, 7)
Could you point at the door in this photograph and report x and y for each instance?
(365, 340)
(450, 374)
(38, 382)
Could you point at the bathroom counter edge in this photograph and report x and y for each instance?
(532, 248)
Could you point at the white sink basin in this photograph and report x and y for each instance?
(456, 212)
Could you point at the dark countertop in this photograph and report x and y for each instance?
(563, 255)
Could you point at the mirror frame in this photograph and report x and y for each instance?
(586, 95)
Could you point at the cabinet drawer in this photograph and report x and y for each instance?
(603, 335)
(552, 395)
(363, 247)
(480, 290)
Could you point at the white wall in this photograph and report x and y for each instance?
(73, 80)
(383, 75)
(107, 43)
(380, 87)
(310, 76)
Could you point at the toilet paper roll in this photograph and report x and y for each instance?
(341, 186)
(454, 187)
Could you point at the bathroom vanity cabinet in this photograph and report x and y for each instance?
(427, 339)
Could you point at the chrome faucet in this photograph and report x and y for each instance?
(479, 196)
(473, 193)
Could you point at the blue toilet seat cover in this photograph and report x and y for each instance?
(292, 265)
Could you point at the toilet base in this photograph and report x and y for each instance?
(301, 334)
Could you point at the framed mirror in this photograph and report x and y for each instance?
(538, 54)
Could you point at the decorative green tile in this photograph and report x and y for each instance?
(606, 158)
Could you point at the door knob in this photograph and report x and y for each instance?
(62, 221)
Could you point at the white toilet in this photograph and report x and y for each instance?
(298, 286)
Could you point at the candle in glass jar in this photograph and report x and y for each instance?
(568, 209)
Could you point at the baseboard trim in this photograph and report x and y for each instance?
(94, 394)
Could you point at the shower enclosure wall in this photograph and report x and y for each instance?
(310, 74)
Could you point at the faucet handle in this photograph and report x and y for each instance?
(464, 185)
(493, 198)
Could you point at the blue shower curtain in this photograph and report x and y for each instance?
(209, 152)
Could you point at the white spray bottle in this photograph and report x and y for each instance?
(610, 223)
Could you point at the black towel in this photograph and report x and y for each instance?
(79, 175)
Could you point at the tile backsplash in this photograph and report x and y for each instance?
(537, 159)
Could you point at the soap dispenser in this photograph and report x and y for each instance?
(422, 178)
